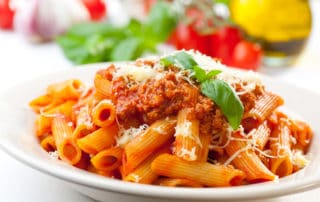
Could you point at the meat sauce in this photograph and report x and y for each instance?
(139, 103)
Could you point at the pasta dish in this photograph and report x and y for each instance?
(181, 119)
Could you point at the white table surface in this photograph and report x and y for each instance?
(21, 61)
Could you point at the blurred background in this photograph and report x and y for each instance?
(248, 34)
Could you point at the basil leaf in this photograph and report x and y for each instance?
(181, 59)
(224, 96)
(213, 73)
(126, 50)
(160, 22)
(200, 74)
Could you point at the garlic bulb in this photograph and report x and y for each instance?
(42, 20)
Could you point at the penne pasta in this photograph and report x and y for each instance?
(280, 145)
(143, 173)
(104, 113)
(66, 90)
(187, 139)
(174, 182)
(201, 172)
(48, 143)
(264, 106)
(246, 160)
(108, 160)
(260, 135)
(302, 134)
(67, 148)
(40, 103)
(141, 147)
(102, 86)
(44, 120)
(98, 140)
(84, 124)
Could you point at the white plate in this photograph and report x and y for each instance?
(17, 139)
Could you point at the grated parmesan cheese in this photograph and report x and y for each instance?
(249, 79)
(126, 136)
(139, 74)
(54, 155)
(190, 153)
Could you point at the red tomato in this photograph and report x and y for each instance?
(247, 55)
(96, 8)
(223, 43)
(6, 15)
(186, 37)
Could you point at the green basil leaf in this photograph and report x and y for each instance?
(160, 22)
(126, 50)
(225, 97)
(200, 74)
(213, 73)
(181, 59)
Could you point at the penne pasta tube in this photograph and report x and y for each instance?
(44, 120)
(280, 147)
(67, 148)
(261, 135)
(187, 139)
(143, 173)
(264, 106)
(108, 160)
(203, 151)
(302, 134)
(40, 102)
(104, 113)
(48, 143)
(140, 147)
(246, 160)
(174, 182)
(84, 161)
(66, 90)
(202, 172)
(102, 85)
(84, 124)
(98, 140)
(92, 169)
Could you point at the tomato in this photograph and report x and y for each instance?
(186, 37)
(6, 15)
(96, 8)
(223, 43)
(247, 55)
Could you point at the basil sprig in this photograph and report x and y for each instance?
(217, 90)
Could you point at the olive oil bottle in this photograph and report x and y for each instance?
(282, 27)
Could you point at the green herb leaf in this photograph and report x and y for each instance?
(213, 73)
(225, 97)
(201, 75)
(160, 22)
(126, 50)
(181, 59)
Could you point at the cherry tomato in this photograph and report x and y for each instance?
(6, 15)
(223, 43)
(96, 8)
(247, 55)
(186, 37)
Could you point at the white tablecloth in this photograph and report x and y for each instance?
(21, 61)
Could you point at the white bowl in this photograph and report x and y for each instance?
(18, 140)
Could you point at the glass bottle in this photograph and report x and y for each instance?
(281, 26)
